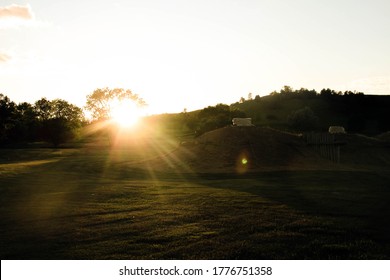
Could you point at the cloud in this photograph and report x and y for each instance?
(16, 11)
(4, 57)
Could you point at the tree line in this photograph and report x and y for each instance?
(58, 121)
(54, 121)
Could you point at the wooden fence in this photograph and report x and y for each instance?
(327, 144)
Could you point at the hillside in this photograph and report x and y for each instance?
(288, 110)
(358, 113)
(252, 149)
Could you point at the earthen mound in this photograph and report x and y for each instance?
(240, 150)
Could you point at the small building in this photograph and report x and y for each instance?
(242, 122)
(336, 130)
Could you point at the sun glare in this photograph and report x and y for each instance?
(125, 113)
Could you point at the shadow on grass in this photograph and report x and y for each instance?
(353, 205)
(84, 207)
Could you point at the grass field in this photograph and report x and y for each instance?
(86, 203)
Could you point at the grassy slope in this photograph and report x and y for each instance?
(273, 110)
(86, 204)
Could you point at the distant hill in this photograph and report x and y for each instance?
(289, 110)
(358, 113)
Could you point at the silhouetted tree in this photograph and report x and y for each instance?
(43, 109)
(303, 119)
(236, 113)
(286, 90)
(100, 102)
(305, 93)
(58, 120)
(327, 93)
(25, 123)
(213, 117)
(7, 117)
(62, 109)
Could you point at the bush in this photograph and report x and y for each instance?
(303, 119)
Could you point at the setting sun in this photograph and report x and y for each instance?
(125, 113)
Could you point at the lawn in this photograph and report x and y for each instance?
(86, 203)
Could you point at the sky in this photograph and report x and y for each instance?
(178, 54)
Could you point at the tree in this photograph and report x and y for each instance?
(25, 123)
(305, 93)
(327, 92)
(43, 109)
(7, 114)
(286, 90)
(101, 101)
(58, 120)
(213, 117)
(303, 119)
(62, 109)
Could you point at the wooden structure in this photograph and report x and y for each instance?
(327, 144)
(336, 129)
(242, 122)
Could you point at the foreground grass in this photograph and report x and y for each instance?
(85, 204)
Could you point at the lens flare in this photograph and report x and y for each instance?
(243, 162)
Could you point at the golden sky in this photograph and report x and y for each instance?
(180, 54)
